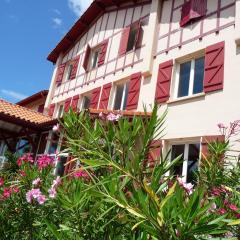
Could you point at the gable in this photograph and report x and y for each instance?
(97, 9)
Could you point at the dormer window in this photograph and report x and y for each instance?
(192, 10)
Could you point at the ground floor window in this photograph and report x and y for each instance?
(190, 153)
(121, 94)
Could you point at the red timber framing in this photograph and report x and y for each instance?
(201, 34)
(92, 76)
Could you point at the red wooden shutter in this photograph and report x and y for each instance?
(105, 96)
(154, 150)
(124, 41)
(41, 108)
(208, 139)
(214, 67)
(163, 82)
(74, 104)
(95, 98)
(60, 73)
(86, 58)
(134, 90)
(51, 110)
(193, 9)
(103, 52)
(67, 104)
(74, 68)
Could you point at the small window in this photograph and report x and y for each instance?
(69, 71)
(190, 80)
(121, 94)
(60, 111)
(132, 37)
(86, 102)
(190, 159)
(95, 57)
(53, 144)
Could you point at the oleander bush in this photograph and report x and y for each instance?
(117, 192)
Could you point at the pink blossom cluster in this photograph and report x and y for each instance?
(27, 158)
(231, 130)
(56, 128)
(81, 174)
(53, 190)
(37, 195)
(110, 117)
(44, 161)
(8, 191)
(188, 187)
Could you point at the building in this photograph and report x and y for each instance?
(35, 102)
(184, 55)
(124, 55)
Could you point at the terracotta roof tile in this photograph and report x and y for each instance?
(21, 113)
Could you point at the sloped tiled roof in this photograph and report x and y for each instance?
(34, 97)
(19, 113)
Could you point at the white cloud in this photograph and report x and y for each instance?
(79, 6)
(15, 95)
(57, 11)
(57, 22)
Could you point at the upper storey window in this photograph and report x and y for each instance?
(192, 10)
(121, 94)
(190, 79)
(69, 72)
(131, 38)
(95, 57)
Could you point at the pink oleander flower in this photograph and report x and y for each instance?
(41, 199)
(102, 116)
(44, 161)
(238, 215)
(56, 182)
(22, 173)
(37, 195)
(15, 189)
(36, 181)
(7, 192)
(225, 202)
(27, 158)
(222, 211)
(56, 128)
(233, 207)
(81, 174)
(187, 186)
(216, 192)
(1, 181)
(52, 192)
(221, 126)
(113, 117)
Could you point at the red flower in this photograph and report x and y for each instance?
(7, 192)
(233, 207)
(22, 173)
(222, 211)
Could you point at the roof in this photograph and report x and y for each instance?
(95, 10)
(21, 115)
(34, 97)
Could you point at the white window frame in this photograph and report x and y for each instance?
(93, 52)
(191, 80)
(185, 155)
(58, 111)
(83, 102)
(68, 72)
(124, 95)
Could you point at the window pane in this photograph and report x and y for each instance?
(69, 71)
(118, 97)
(125, 96)
(178, 150)
(198, 75)
(95, 59)
(193, 157)
(61, 166)
(86, 102)
(184, 79)
(60, 111)
(131, 39)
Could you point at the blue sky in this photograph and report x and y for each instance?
(29, 30)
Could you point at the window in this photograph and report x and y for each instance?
(86, 102)
(60, 111)
(190, 159)
(53, 143)
(190, 79)
(95, 57)
(23, 146)
(69, 72)
(121, 94)
(132, 37)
